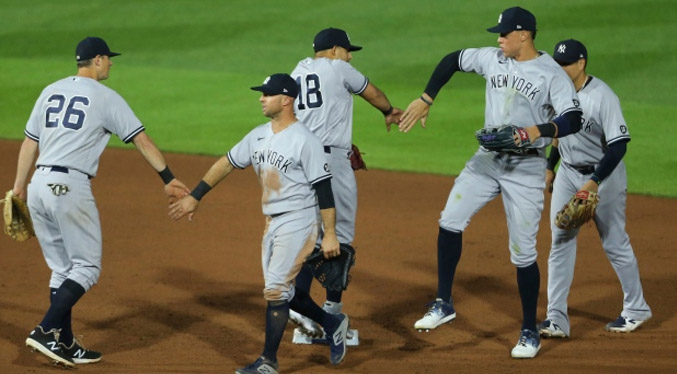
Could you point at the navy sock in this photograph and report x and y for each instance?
(304, 279)
(334, 296)
(304, 304)
(529, 283)
(449, 245)
(277, 315)
(66, 335)
(62, 302)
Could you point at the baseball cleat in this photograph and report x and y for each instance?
(47, 343)
(528, 345)
(439, 313)
(79, 354)
(337, 339)
(262, 365)
(306, 325)
(549, 329)
(624, 324)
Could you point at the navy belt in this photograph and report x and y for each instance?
(522, 152)
(278, 214)
(585, 170)
(327, 149)
(61, 169)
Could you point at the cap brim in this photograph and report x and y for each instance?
(113, 54)
(354, 48)
(260, 89)
(499, 29)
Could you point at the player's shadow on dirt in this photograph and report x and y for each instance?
(146, 322)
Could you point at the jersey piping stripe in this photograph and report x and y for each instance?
(31, 136)
(571, 109)
(364, 87)
(235, 165)
(320, 179)
(131, 136)
(460, 58)
(618, 138)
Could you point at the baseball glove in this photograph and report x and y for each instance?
(579, 210)
(333, 272)
(356, 161)
(502, 138)
(18, 223)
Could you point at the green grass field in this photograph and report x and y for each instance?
(186, 67)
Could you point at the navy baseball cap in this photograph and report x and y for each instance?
(328, 38)
(514, 18)
(569, 51)
(279, 84)
(91, 47)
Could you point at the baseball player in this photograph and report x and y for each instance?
(70, 125)
(327, 83)
(290, 164)
(524, 87)
(591, 160)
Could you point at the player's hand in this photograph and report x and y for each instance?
(330, 245)
(533, 132)
(20, 192)
(417, 110)
(590, 185)
(186, 205)
(393, 118)
(549, 179)
(176, 190)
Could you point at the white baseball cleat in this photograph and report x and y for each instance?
(528, 345)
(439, 313)
(624, 324)
(549, 329)
(306, 325)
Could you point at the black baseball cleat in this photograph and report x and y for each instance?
(80, 354)
(47, 343)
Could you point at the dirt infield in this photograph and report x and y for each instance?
(186, 297)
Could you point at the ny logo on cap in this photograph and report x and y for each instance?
(266, 80)
(500, 17)
(562, 48)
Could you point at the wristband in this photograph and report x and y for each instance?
(430, 103)
(201, 190)
(595, 179)
(388, 111)
(166, 175)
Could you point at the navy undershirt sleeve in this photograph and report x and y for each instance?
(442, 73)
(325, 196)
(611, 158)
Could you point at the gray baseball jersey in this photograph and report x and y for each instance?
(325, 101)
(325, 105)
(521, 93)
(603, 124)
(287, 164)
(73, 119)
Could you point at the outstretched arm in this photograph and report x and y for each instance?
(27, 154)
(378, 100)
(174, 188)
(189, 204)
(419, 108)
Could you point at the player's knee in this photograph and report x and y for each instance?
(273, 294)
(523, 260)
(451, 225)
(87, 277)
